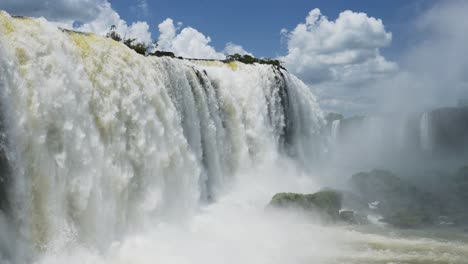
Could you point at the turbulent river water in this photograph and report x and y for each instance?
(107, 156)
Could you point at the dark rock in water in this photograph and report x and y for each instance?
(160, 53)
(327, 202)
(400, 203)
(397, 201)
(379, 184)
(354, 201)
(354, 218)
(453, 189)
(289, 200)
(407, 218)
(347, 216)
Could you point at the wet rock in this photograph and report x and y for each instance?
(407, 218)
(399, 203)
(354, 202)
(347, 216)
(327, 202)
(160, 53)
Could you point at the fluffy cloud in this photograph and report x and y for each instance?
(344, 50)
(434, 69)
(108, 16)
(338, 57)
(56, 10)
(232, 48)
(190, 43)
(431, 72)
(187, 42)
(91, 15)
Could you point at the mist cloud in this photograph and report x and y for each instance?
(95, 16)
(434, 70)
(56, 10)
(341, 61)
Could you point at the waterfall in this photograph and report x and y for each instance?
(425, 133)
(335, 129)
(99, 140)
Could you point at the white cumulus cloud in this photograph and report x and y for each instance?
(345, 50)
(190, 43)
(56, 10)
(108, 17)
(187, 42)
(95, 16)
(232, 48)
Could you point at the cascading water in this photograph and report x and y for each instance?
(100, 140)
(335, 129)
(107, 156)
(425, 133)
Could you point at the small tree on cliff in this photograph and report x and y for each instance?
(248, 59)
(113, 34)
(132, 43)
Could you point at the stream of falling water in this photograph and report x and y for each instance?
(112, 157)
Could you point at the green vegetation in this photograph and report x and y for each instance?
(247, 59)
(327, 202)
(380, 192)
(138, 47)
(113, 34)
(145, 49)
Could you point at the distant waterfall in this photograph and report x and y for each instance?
(100, 140)
(335, 129)
(425, 130)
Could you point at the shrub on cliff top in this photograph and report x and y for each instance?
(248, 59)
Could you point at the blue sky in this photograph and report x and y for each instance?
(256, 24)
(356, 56)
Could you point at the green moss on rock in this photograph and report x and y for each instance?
(326, 201)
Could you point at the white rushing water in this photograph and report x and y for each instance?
(425, 123)
(113, 157)
(335, 130)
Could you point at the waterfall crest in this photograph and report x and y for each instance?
(98, 139)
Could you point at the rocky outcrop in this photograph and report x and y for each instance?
(382, 193)
(160, 53)
(396, 200)
(326, 202)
